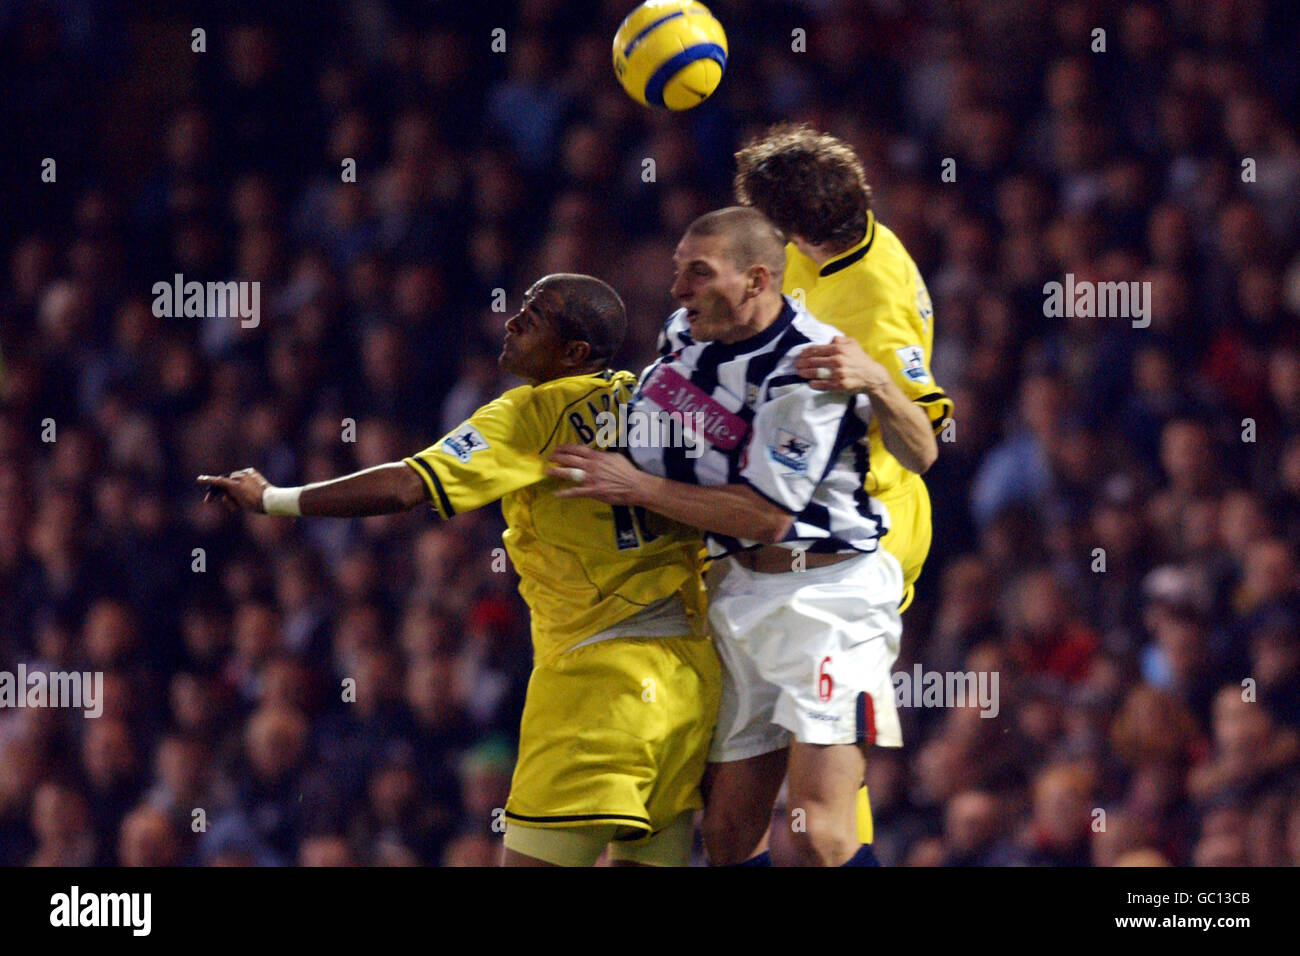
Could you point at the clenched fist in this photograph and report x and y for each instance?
(841, 366)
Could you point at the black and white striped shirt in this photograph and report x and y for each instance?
(761, 425)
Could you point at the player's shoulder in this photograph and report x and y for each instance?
(887, 285)
(877, 267)
(559, 393)
(887, 238)
(517, 398)
(888, 260)
(782, 379)
(807, 329)
(525, 404)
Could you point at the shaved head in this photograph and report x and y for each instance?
(728, 270)
(749, 238)
(592, 312)
(569, 324)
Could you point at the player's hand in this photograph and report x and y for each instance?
(602, 475)
(238, 490)
(841, 366)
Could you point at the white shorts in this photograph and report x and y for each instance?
(806, 653)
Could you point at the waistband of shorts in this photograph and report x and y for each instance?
(664, 618)
(772, 559)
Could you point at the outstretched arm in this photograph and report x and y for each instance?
(381, 490)
(734, 510)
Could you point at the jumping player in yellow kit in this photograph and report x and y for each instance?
(853, 273)
(624, 691)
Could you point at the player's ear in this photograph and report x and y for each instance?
(576, 352)
(757, 279)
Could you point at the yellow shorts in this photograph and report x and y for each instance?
(582, 846)
(909, 530)
(616, 733)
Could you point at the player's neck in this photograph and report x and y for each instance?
(822, 252)
(556, 374)
(766, 310)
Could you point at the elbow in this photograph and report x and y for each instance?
(922, 453)
(926, 458)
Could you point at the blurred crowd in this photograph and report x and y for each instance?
(1116, 509)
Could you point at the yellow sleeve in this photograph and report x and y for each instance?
(900, 339)
(495, 451)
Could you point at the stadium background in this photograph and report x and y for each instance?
(1119, 689)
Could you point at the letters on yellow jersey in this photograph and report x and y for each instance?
(583, 565)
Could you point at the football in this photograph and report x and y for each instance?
(670, 53)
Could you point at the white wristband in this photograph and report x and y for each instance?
(281, 501)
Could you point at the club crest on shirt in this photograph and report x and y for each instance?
(791, 450)
(463, 443)
(912, 359)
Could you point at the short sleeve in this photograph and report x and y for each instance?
(495, 451)
(899, 341)
(793, 440)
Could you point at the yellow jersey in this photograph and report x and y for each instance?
(874, 294)
(583, 565)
